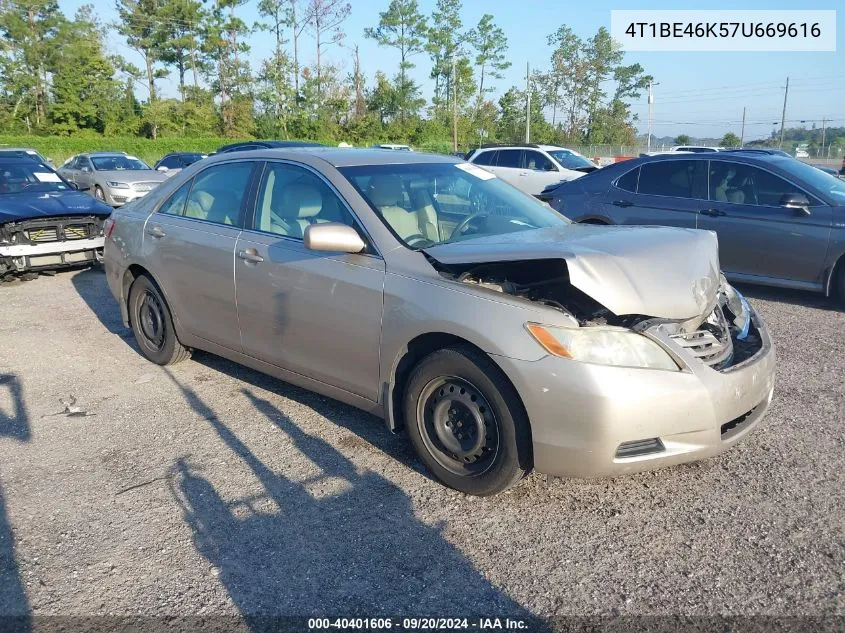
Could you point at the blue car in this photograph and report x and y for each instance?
(779, 221)
(45, 222)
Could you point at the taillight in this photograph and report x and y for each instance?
(108, 226)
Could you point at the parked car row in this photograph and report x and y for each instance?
(779, 221)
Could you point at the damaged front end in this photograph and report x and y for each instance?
(723, 336)
(50, 243)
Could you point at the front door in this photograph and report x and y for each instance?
(314, 313)
(668, 193)
(189, 244)
(758, 236)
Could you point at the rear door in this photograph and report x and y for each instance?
(508, 167)
(314, 313)
(758, 236)
(668, 193)
(540, 171)
(189, 246)
(68, 170)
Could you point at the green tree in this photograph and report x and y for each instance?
(444, 46)
(86, 95)
(403, 27)
(28, 29)
(176, 36)
(139, 23)
(274, 92)
(730, 140)
(682, 139)
(324, 18)
(491, 47)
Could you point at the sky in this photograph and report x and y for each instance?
(701, 94)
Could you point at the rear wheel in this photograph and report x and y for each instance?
(152, 324)
(466, 422)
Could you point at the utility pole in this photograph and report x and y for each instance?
(824, 121)
(454, 105)
(742, 134)
(650, 119)
(527, 102)
(783, 115)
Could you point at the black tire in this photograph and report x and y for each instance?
(461, 387)
(98, 193)
(152, 324)
(839, 281)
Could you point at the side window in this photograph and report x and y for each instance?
(292, 198)
(485, 158)
(175, 205)
(674, 178)
(510, 158)
(170, 162)
(628, 182)
(538, 162)
(218, 193)
(85, 163)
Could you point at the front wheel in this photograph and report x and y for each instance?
(98, 194)
(152, 324)
(466, 422)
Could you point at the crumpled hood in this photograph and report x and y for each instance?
(662, 272)
(32, 205)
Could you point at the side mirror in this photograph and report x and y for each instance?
(797, 201)
(161, 168)
(333, 237)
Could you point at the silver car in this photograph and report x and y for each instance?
(497, 334)
(113, 177)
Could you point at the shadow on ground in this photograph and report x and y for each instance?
(14, 423)
(343, 542)
(803, 298)
(91, 285)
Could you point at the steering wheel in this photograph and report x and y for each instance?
(465, 223)
(416, 238)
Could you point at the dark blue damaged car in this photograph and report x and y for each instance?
(45, 222)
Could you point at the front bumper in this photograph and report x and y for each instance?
(119, 197)
(581, 414)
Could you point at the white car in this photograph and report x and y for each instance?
(531, 168)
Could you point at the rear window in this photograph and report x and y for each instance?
(509, 158)
(485, 158)
(674, 178)
(628, 182)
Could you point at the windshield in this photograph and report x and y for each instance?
(118, 163)
(825, 183)
(29, 176)
(437, 203)
(570, 160)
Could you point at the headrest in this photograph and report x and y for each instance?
(385, 191)
(301, 201)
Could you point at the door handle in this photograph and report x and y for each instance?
(713, 213)
(156, 231)
(623, 203)
(250, 256)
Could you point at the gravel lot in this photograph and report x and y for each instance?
(207, 488)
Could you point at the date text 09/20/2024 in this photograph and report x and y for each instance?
(417, 624)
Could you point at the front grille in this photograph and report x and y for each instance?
(711, 343)
(76, 232)
(640, 447)
(43, 234)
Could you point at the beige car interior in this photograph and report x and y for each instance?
(387, 194)
(289, 207)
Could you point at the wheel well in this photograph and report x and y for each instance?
(593, 221)
(415, 351)
(132, 273)
(838, 268)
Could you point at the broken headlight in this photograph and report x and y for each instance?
(738, 307)
(603, 346)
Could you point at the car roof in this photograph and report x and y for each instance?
(739, 156)
(103, 154)
(17, 160)
(6, 148)
(342, 156)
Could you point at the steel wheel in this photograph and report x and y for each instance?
(99, 195)
(458, 426)
(151, 318)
